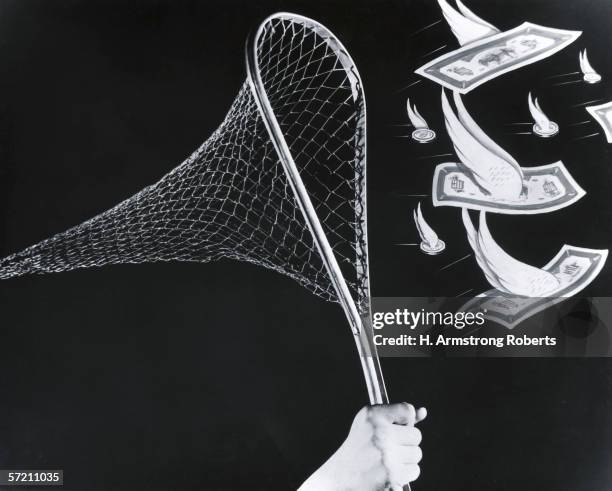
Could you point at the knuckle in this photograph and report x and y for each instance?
(373, 411)
(377, 415)
(409, 408)
(413, 471)
(362, 421)
(364, 411)
(362, 415)
(418, 454)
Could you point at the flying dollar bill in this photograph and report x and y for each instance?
(487, 53)
(574, 268)
(488, 178)
(603, 115)
(547, 188)
(519, 289)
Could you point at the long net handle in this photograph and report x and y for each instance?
(370, 364)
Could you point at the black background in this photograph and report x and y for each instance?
(226, 376)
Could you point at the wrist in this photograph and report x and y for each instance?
(319, 481)
(323, 479)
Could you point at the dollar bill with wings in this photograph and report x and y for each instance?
(519, 289)
(487, 53)
(488, 178)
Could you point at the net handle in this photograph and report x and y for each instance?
(361, 331)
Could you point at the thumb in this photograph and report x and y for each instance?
(421, 414)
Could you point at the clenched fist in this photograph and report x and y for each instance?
(381, 452)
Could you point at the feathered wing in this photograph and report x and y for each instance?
(537, 114)
(477, 132)
(415, 118)
(466, 26)
(585, 66)
(514, 276)
(491, 167)
(472, 236)
(537, 104)
(581, 60)
(425, 231)
(472, 16)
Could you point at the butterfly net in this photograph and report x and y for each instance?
(231, 198)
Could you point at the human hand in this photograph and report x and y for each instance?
(381, 452)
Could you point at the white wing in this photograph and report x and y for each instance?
(491, 167)
(472, 16)
(473, 240)
(466, 26)
(537, 114)
(585, 66)
(513, 276)
(476, 131)
(425, 231)
(415, 118)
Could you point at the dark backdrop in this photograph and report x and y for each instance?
(226, 376)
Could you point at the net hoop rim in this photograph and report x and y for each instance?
(254, 80)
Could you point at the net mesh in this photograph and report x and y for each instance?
(231, 198)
